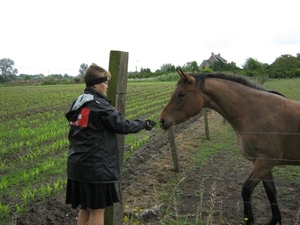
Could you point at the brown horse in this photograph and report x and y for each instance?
(266, 124)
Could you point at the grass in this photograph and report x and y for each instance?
(290, 88)
(287, 87)
(208, 212)
(221, 138)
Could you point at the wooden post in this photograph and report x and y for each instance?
(206, 123)
(116, 92)
(173, 149)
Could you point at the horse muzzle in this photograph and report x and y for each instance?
(164, 125)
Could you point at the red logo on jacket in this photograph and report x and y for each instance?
(82, 119)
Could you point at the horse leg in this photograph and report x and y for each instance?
(260, 169)
(247, 190)
(271, 193)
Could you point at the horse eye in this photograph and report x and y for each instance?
(181, 95)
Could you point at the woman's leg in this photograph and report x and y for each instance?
(83, 217)
(96, 216)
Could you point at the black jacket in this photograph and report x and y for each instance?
(94, 123)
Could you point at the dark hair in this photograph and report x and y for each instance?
(93, 73)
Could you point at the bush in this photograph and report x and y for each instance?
(206, 70)
(168, 77)
(297, 73)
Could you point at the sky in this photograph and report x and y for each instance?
(57, 36)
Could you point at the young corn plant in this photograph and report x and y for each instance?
(2, 164)
(4, 183)
(20, 208)
(25, 196)
(4, 210)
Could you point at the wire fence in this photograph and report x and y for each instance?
(152, 153)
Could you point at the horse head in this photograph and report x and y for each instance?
(185, 102)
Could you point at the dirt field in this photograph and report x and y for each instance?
(210, 192)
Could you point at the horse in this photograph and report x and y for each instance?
(266, 124)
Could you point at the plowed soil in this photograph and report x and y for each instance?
(155, 194)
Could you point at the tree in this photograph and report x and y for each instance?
(223, 66)
(252, 64)
(167, 68)
(297, 73)
(253, 68)
(145, 72)
(286, 62)
(192, 67)
(285, 66)
(82, 69)
(27, 77)
(218, 66)
(7, 69)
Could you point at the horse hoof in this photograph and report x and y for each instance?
(248, 221)
(274, 221)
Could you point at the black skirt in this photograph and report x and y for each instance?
(88, 195)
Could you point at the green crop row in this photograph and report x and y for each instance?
(34, 145)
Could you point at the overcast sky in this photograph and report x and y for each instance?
(57, 36)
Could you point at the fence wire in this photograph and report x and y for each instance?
(154, 152)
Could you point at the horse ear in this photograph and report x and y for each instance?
(180, 72)
(184, 75)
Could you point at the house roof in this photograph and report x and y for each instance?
(212, 59)
(218, 57)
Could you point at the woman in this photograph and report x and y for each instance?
(93, 162)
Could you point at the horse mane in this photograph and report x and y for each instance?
(200, 79)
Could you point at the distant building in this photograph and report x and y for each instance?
(212, 59)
